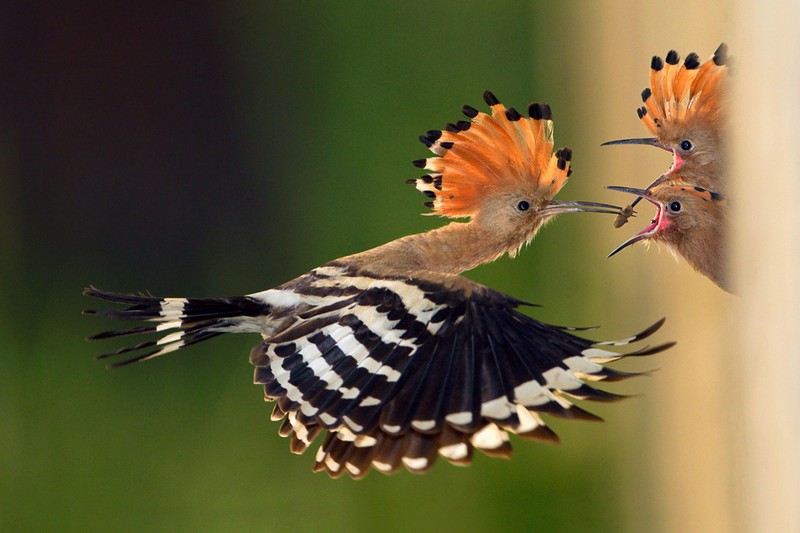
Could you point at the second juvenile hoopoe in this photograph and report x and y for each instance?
(690, 220)
(391, 351)
(684, 107)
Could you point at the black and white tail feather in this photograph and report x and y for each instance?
(194, 319)
(398, 370)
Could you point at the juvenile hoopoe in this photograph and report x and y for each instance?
(395, 354)
(690, 220)
(684, 108)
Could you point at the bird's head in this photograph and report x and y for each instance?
(683, 109)
(690, 220)
(499, 169)
(683, 213)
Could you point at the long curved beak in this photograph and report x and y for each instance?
(656, 181)
(633, 240)
(630, 190)
(647, 232)
(555, 207)
(649, 141)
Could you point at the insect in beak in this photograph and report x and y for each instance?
(657, 223)
(656, 181)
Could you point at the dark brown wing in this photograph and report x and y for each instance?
(403, 370)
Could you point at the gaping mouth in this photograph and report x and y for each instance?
(677, 161)
(658, 222)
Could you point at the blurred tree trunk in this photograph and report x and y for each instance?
(726, 431)
(765, 417)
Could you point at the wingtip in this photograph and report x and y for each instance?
(652, 329)
(652, 350)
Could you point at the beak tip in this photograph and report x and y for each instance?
(649, 141)
(629, 190)
(633, 240)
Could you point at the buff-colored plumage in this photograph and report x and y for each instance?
(696, 230)
(691, 221)
(500, 171)
(681, 95)
(684, 108)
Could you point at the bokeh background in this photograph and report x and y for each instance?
(209, 149)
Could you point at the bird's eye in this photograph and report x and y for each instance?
(686, 145)
(523, 205)
(675, 207)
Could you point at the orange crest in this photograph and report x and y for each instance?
(501, 151)
(680, 94)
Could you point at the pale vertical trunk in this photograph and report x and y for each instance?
(766, 167)
(677, 475)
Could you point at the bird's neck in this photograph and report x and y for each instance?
(704, 250)
(451, 249)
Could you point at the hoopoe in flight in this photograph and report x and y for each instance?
(391, 351)
(684, 108)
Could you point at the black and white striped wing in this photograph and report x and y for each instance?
(401, 370)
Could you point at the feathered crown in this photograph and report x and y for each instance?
(504, 150)
(678, 94)
(670, 188)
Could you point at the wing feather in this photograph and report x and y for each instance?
(408, 370)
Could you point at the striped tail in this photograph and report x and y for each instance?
(188, 321)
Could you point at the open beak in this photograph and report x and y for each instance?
(650, 230)
(555, 207)
(649, 141)
(656, 181)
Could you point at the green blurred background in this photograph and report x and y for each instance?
(218, 149)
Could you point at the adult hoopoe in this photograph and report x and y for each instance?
(684, 108)
(391, 351)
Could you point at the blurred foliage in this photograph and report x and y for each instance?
(222, 149)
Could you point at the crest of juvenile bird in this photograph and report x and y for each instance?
(691, 221)
(684, 108)
(391, 352)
